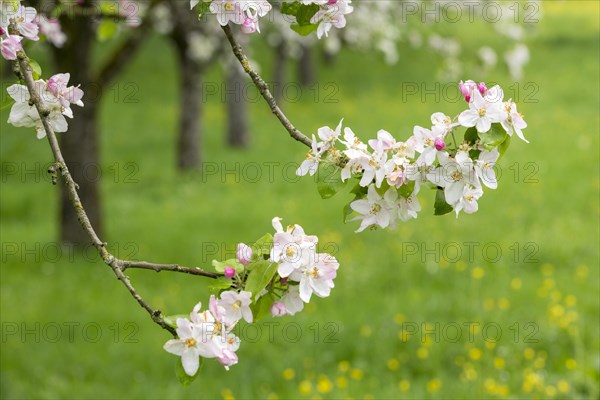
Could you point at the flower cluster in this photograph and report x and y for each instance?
(275, 276)
(26, 27)
(56, 97)
(391, 173)
(311, 15)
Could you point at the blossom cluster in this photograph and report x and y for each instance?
(276, 276)
(56, 97)
(28, 25)
(311, 15)
(55, 94)
(390, 173)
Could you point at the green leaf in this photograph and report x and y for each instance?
(171, 320)
(184, 378)
(290, 8)
(35, 69)
(262, 307)
(407, 189)
(471, 136)
(305, 13)
(232, 262)
(503, 147)
(259, 277)
(359, 193)
(262, 247)
(219, 284)
(304, 30)
(329, 180)
(202, 8)
(494, 137)
(106, 30)
(441, 207)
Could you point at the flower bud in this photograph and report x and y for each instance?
(250, 25)
(2, 31)
(482, 88)
(229, 272)
(439, 144)
(244, 253)
(278, 309)
(466, 89)
(284, 281)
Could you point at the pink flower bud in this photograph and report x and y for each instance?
(244, 253)
(250, 25)
(229, 272)
(466, 89)
(331, 2)
(278, 309)
(439, 144)
(2, 31)
(283, 281)
(482, 88)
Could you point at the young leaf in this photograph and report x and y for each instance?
(290, 8)
(407, 189)
(503, 147)
(259, 277)
(171, 320)
(305, 13)
(35, 69)
(441, 207)
(262, 307)
(304, 30)
(219, 284)
(329, 180)
(182, 376)
(471, 136)
(494, 137)
(262, 247)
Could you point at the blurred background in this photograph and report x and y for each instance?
(179, 159)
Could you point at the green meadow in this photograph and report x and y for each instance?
(503, 303)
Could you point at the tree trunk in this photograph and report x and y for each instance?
(80, 144)
(279, 71)
(190, 127)
(306, 69)
(237, 109)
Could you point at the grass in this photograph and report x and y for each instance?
(390, 328)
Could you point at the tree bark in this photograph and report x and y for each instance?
(80, 143)
(237, 108)
(279, 69)
(189, 139)
(306, 68)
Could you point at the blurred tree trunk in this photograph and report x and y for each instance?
(80, 144)
(237, 108)
(279, 71)
(189, 137)
(306, 68)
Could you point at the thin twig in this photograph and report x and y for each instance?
(117, 265)
(263, 88)
(167, 267)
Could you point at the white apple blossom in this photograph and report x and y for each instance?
(331, 14)
(484, 166)
(514, 122)
(453, 175)
(408, 207)
(24, 19)
(375, 210)
(292, 301)
(482, 112)
(311, 164)
(467, 202)
(236, 306)
(292, 248)
(317, 278)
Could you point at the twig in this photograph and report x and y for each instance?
(117, 265)
(263, 88)
(167, 267)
